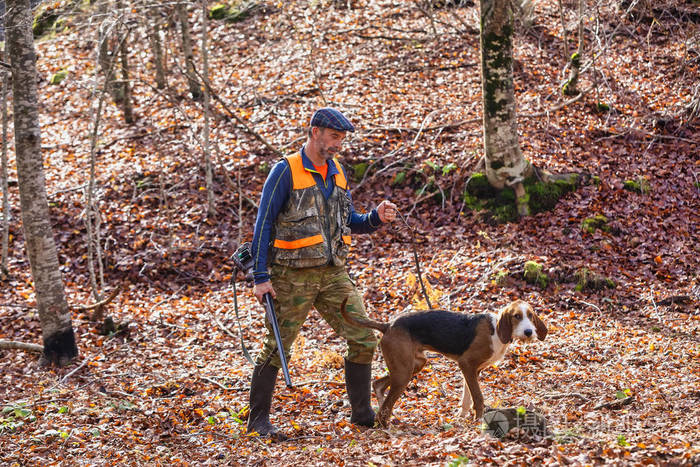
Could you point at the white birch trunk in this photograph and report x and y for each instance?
(505, 164)
(54, 314)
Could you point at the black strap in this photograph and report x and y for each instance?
(246, 354)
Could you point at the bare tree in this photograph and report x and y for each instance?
(152, 24)
(113, 48)
(4, 249)
(211, 202)
(127, 104)
(505, 164)
(106, 54)
(195, 88)
(54, 314)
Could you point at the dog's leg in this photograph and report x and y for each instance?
(397, 386)
(466, 406)
(398, 352)
(379, 386)
(471, 375)
(419, 361)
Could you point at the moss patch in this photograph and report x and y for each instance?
(533, 274)
(597, 222)
(602, 107)
(479, 195)
(589, 280)
(219, 11)
(359, 170)
(639, 185)
(58, 77)
(46, 20)
(238, 11)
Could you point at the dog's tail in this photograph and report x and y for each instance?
(363, 322)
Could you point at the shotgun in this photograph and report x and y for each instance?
(244, 262)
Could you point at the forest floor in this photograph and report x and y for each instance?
(618, 376)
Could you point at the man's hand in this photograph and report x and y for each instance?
(262, 289)
(387, 211)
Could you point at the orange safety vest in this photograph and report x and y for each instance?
(311, 230)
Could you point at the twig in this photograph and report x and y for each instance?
(563, 32)
(215, 383)
(224, 328)
(233, 115)
(313, 382)
(558, 107)
(415, 257)
(63, 380)
(425, 120)
(389, 154)
(428, 128)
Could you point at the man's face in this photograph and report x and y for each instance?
(329, 141)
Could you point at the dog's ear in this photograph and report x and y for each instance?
(539, 327)
(504, 328)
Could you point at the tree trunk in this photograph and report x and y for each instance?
(505, 164)
(195, 88)
(107, 56)
(127, 104)
(4, 249)
(54, 314)
(211, 203)
(153, 27)
(571, 86)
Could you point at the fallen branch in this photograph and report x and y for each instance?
(104, 302)
(681, 299)
(615, 404)
(9, 345)
(564, 395)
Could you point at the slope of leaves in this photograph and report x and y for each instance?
(173, 390)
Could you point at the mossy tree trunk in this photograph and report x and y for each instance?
(54, 313)
(504, 161)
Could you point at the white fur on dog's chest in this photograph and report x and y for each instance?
(498, 348)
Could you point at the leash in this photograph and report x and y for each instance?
(246, 354)
(415, 258)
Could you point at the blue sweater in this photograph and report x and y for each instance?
(275, 195)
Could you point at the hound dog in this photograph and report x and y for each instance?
(473, 341)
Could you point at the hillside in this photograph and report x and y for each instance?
(172, 387)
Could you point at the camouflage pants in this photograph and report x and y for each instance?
(323, 288)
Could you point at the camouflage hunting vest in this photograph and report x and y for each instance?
(311, 230)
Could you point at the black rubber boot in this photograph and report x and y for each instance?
(262, 386)
(357, 382)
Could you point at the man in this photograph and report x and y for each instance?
(303, 232)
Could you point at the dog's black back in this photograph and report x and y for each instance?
(444, 331)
